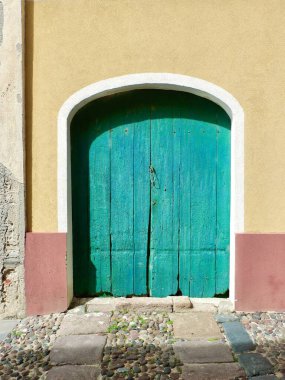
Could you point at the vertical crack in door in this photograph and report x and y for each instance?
(148, 287)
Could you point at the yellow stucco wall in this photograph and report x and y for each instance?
(237, 44)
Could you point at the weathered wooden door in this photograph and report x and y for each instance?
(151, 195)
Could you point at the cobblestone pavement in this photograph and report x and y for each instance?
(268, 331)
(139, 345)
(24, 354)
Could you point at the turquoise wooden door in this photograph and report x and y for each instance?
(151, 195)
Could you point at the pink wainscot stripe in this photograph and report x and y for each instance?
(260, 272)
(45, 273)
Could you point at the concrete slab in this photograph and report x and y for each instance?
(72, 372)
(91, 323)
(6, 326)
(203, 352)
(222, 371)
(78, 349)
(238, 337)
(181, 304)
(255, 364)
(195, 326)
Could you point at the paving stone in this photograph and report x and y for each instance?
(71, 372)
(122, 303)
(239, 339)
(221, 371)
(139, 304)
(78, 349)
(6, 326)
(205, 304)
(181, 304)
(203, 352)
(222, 318)
(143, 304)
(225, 306)
(255, 364)
(91, 323)
(265, 377)
(267, 330)
(81, 309)
(195, 326)
(101, 305)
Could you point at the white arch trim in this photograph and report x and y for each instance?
(163, 81)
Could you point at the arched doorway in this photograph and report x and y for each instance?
(151, 195)
(165, 81)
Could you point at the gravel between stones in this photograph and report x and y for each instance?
(268, 331)
(139, 346)
(24, 354)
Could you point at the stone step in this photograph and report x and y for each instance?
(139, 304)
(78, 350)
(220, 305)
(177, 304)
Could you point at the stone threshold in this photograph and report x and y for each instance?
(171, 304)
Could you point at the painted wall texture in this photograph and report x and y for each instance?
(12, 214)
(237, 44)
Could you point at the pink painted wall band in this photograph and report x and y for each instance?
(260, 279)
(45, 273)
(260, 272)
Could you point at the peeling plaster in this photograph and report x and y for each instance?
(11, 244)
(10, 204)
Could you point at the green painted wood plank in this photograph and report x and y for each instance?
(203, 209)
(178, 142)
(163, 256)
(99, 174)
(223, 203)
(185, 203)
(122, 210)
(141, 196)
